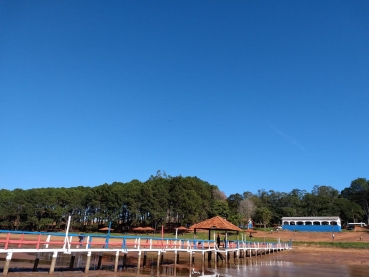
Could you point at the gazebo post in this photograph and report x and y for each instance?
(209, 253)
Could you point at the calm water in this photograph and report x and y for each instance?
(275, 265)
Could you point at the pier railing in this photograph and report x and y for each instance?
(59, 243)
(42, 240)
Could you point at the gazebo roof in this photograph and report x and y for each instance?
(216, 223)
(182, 228)
(106, 229)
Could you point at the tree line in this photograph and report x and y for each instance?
(171, 201)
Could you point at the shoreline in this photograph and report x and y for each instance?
(299, 255)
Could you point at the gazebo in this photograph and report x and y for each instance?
(106, 229)
(216, 223)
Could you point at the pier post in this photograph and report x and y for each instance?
(116, 261)
(209, 256)
(125, 260)
(216, 258)
(139, 262)
(145, 259)
(190, 261)
(72, 258)
(35, 264)
(7, 262)
(161, 257)
(53, 262)
(158, 264)
(99, 261)
(175, 262)
(203, 263)
(88, 261)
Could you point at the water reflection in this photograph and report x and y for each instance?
(276, 265)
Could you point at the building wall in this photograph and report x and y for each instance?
(312, 228)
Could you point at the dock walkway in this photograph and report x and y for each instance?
(59, 243)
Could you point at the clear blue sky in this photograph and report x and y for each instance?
(246, 95)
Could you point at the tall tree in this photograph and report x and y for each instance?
(246, 209)
(358, 192)
(264, 215)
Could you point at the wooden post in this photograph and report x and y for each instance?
(125, 260)
(216, 258)
(190, 261)
(145, 259)
(203, 263)
(116, 261)
(158, 264)
(161, 258)
(175, 262)
(88, 261)
(72, 258)
(7, 263)
(53, 262)
(139, 262)
(99, 261)
(35, 264)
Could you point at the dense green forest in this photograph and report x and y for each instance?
(171, 201)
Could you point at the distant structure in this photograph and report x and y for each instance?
(249, 224)
(312, 224)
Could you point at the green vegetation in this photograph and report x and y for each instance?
(171, 201)
(346, 245)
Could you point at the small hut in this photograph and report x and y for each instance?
(216, 223)
(181, 230)
(138, 229)
(106, 229)
(148, 229)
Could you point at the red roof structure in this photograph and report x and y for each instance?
(216, 223)
(106, 229)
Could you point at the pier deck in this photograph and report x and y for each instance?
(59, 243)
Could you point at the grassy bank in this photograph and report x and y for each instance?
(343, 245)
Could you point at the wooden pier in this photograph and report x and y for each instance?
(59, 243)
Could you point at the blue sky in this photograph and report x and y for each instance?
(246, 95)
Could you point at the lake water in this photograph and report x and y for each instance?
(274, 265)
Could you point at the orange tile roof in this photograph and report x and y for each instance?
(217, 223)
